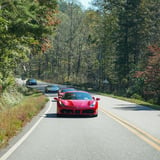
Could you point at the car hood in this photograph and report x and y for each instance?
(53, 88)
(77, 103)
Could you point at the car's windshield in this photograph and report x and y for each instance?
(67, 89)
(77, 96)
(33, 80)
(53, 86)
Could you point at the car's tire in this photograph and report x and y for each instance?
(96, 115)
(59, 115)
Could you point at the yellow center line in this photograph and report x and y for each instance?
(154, 142)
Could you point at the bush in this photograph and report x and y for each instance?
(10, 97)
(136, 96)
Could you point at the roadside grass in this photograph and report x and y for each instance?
(132, 100)
(14, 118)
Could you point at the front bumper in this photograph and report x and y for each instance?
(84, 112)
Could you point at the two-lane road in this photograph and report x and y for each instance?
(122, 131)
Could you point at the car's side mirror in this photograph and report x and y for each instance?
(60, 96)
(55, 98)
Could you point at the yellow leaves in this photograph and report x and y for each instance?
(46, 44)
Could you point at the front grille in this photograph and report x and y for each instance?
(88, 111)
(77, 111)
(66, 111)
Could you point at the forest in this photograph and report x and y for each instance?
(112, 47)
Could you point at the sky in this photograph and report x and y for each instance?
(85, 3)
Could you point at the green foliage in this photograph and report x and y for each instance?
(108, 42)
(134, 26)
(136, 96)
(68, 60)
(10, 97)
(23, 25)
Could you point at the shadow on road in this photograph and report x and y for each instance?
(51, 115)
(133, 107)
(54, 115)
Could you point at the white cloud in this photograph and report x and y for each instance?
(85, 3)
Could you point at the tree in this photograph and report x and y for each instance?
(108, 34)
(129, 41)
(68, 42)
(151, 75)
(24, 25)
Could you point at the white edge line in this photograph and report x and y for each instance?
(12, 149)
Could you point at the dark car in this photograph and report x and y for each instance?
(31, 81)
(51, 89)
(63, 90)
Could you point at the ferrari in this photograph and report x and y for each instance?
(77, 103)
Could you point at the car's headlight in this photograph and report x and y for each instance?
(93, 104)
(62, 104)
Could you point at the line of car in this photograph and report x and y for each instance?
(31, 81)
(71, 101)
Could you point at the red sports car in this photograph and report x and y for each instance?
(77, 103)
(63, 90)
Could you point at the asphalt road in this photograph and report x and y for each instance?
(122, 131)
